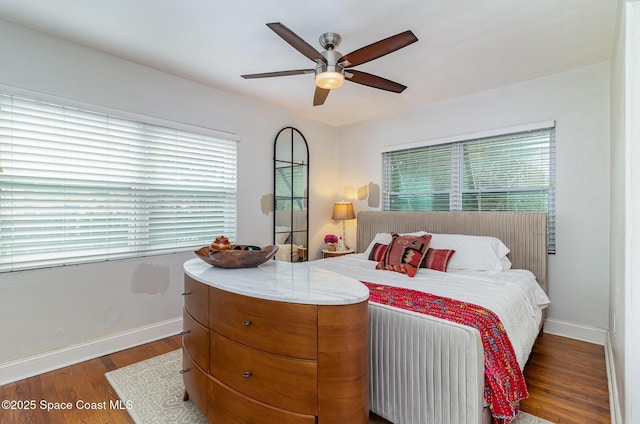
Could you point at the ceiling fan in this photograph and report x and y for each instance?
(332, 67)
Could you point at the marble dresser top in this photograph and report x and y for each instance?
(281, 281)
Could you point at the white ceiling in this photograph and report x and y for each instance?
(464, 47)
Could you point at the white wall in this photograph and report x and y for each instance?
(632, 280)
(624, 324)
(618, 236)
(49, 309)
(579, 103)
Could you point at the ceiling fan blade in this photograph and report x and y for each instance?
(374, 81)
(378, 49)
(296, 42)
(278, 74)
(320, 96)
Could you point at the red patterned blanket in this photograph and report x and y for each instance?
(504, 385)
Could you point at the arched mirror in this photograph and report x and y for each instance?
(291, 183)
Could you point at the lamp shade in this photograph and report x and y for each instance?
(343, 210)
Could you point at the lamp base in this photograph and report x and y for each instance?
(342, 245)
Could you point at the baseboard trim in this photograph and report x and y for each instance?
(575, 331)
(614, 404)
(48, 361)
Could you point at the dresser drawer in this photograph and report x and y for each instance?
(195, 382)
(288, 329)
(228, 406)
(196, 300)
(195, 339)
(277, 380)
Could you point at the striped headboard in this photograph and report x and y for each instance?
(524, 233)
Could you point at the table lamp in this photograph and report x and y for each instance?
(343, 211)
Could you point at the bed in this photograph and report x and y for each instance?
(425, 370)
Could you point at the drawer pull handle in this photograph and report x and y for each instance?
(246, 323)
(183, 371)
(185, 332)
(186, 293)
(247, 374)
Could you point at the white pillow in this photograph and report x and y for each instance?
(385, 238)
(282, 234)
(473, 253)
(506, 263)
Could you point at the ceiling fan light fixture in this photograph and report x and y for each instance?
(329, 80)
(329, 76)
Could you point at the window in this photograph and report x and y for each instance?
(79, 186)
(512, 172)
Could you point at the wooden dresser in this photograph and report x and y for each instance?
(282, 343)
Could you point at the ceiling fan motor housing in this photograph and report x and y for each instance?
(329, 75)
(332, 64)
(330, 40)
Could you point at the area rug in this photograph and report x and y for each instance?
(154, 389)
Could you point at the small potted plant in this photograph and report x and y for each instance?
(331, 241)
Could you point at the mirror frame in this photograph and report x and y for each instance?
(291, 141)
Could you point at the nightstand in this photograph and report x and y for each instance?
(334, 253)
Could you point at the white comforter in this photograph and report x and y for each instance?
(514, 295)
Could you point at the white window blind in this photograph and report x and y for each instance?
(512, 172)
(418, 179)
(78, 186)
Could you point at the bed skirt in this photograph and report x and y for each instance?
(424, 370)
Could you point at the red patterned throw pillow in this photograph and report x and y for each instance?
(437, 259)
(378, 251)
(405, 253)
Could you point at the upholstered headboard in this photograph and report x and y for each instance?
(524, 233)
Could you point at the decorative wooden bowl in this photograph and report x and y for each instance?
(236, 258)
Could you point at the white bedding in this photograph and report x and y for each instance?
(514, 295)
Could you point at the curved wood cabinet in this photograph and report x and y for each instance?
(250, 360)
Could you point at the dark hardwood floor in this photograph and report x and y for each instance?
(567, 381)
(566, 378)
